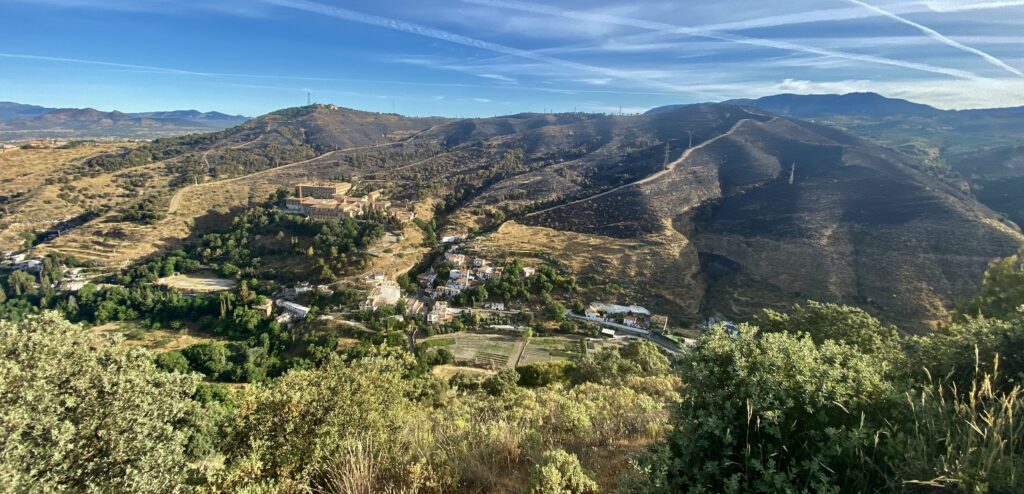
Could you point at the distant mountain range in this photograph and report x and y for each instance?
(18, 121)
(862, 104)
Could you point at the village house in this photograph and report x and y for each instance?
(439, 313)
(299, 311)
(413, 305)
(457, 259)
(32, 265)
(528, 271)
(460, 283)
(266, 307)
(299, 288)
(325, 201)
(385, 293)
(446, 291)
(494, 306)
(659, 323)
(427, 279)
(457, 274)
(479, 262)
(322, 190)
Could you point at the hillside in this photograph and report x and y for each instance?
(19, 122)
(701, 197)
(970, 149)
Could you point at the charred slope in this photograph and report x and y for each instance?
(782, 211)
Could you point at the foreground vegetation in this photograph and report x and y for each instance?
(822, 398)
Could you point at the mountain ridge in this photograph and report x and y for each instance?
(19, 121)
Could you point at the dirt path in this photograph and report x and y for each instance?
(518, 351)
(669, 168)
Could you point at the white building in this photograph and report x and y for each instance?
(299, 311)
(385, 293)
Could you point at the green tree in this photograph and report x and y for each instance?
(172, 361)
(556, 311)
(1002, 290)
(505, 382)
(963, 349)
(840, 323)
(777, 413)
(209, 358)
(83, 415)
(317, 427)
(21, 282)
(560, 472)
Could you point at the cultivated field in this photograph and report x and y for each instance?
(493, 351)
(197, 283)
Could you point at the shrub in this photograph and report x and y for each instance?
(560, 473)
(81, 414)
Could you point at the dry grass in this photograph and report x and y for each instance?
(158, 340)
(27, 171)
(197, 283)
(448, 371)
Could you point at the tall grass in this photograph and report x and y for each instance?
(964, 440)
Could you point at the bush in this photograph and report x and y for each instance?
(775, 412)
(81, 414)
(172, 361)
(560, 473)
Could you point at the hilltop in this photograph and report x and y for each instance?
(971, 149)
(731, 208)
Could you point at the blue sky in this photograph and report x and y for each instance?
(489, 57)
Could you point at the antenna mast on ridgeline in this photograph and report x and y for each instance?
(309, 99)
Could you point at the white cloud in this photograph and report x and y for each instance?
(497, 77)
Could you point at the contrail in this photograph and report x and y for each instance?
(665, 28)
(192, 73)
(931, 33)
(408, 27)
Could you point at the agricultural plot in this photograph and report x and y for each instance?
(479, 350)
(492, 351)
(551, 349)
(594, 345)
(197, 283)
